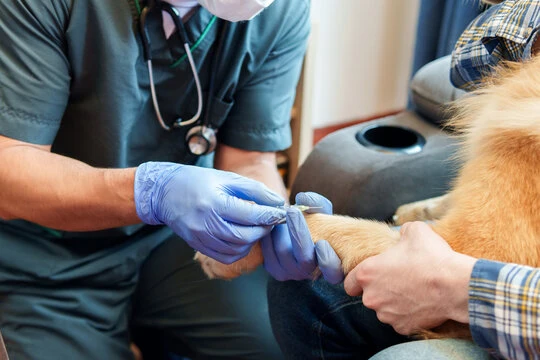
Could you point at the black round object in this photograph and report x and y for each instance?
(391, 139)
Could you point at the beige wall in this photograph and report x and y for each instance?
(359, 60)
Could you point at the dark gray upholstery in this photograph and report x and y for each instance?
(367, 183)
(431, 90)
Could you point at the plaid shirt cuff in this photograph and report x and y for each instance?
(504, 309)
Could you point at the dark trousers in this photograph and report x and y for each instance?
(69, 300)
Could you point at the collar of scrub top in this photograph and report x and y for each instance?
(154, 5)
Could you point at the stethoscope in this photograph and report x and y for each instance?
(201, 139)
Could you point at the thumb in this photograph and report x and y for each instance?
(252, 190)
(352, 284)
(329, 262)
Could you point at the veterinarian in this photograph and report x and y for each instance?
(421, 282)
(105, 109)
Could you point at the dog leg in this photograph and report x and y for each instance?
(352, 239)
(429, 209)
(216, 270)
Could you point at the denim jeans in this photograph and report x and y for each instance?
(317, 320)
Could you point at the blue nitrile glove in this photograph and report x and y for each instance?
(289, 252)
(207, 207)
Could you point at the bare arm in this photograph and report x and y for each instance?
(66, 194)
(261, 166)
(60, 192)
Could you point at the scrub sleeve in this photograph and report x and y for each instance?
(72, 75)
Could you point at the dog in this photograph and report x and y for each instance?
(493, 208)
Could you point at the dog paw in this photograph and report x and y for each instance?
(424, 210)
(206, 264)
(408, 212)
(216, 270)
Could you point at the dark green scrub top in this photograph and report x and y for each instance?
(72, 74)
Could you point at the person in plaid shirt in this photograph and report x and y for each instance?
(507, 31)
(504, 298)
(501, 302)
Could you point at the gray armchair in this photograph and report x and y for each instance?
(368, 170)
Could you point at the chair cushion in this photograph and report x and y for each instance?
(432, 91)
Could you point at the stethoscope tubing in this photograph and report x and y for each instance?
(178, 123)
(197, 115)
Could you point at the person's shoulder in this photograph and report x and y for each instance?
(290, 6)
(57, 7)
(283, 18)
(38, 11)
(287, 10)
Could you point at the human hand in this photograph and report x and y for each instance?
(289, 252)
(417, 284)
(219, 213)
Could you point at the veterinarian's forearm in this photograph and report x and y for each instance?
(62, 193)
(260, 166)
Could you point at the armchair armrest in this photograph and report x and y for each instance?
(432, 91)
(363, 182)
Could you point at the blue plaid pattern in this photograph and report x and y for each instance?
(504, 302)
(504, 306)
(503, 32)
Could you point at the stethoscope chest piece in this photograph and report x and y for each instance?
(201, 140)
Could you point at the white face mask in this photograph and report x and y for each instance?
(235, 10)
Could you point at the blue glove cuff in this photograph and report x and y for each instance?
(149, 180)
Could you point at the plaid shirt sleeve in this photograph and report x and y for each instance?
(504, 305)
(503, 32)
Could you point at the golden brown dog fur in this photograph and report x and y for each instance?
(493, 209)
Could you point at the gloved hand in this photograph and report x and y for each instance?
(219, 213)
(289, 252)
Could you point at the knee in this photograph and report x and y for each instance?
(292, 315)
(288, 304)
(296, 305)
(283, 301)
